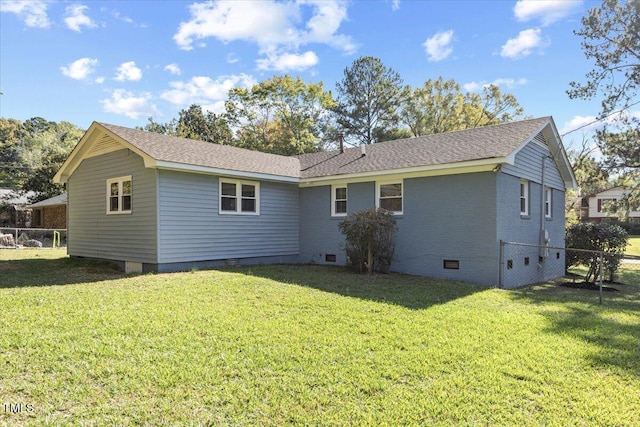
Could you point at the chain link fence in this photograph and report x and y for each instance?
(32, 238)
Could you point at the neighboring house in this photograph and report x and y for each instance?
(13, 210)
(600, 207)
(50, 213)
(158, 203)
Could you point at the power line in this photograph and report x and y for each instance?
(600, 119)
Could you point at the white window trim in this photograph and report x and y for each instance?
(118, 180)
(381, 183)
(238, 184)
(526, 198)
(548, 202)
(334, 200)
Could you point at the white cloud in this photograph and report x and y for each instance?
(547, 12)
(270, 24)
(395, 4)
(438, 47)
(126, 103)
(500, 82)
(128, 71)
(33, 13)
(80, 69)
(203, 90)
(288, 61)
(173, 69)
(522, 45)
(76, 19)
(232, 58)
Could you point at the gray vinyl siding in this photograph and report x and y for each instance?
(449, 218)
(528, 165)
(121, 237)
(191, 228)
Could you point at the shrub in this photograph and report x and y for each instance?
(608, 238)
(370, 239)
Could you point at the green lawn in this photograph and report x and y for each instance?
(83, 344)
(633, 247)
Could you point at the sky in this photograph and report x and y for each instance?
(121, 62)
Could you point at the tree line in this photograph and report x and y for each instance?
(284, 115)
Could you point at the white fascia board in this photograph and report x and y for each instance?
(181, 167)
(413, 172)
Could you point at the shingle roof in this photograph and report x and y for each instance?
(445, 148)
(198, 153)
(487, 142)
(60, 199)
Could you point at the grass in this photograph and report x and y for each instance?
(633, 247)
(83, 344)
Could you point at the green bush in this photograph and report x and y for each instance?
(370, 239)
(608, 238)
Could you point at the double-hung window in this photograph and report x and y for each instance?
(548, 195)
(239, 197)
(524, 197)
(339, 200)
(389, 196)
(119, 193)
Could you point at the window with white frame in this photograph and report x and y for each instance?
(119, 193)
(548, 197)
(339, 200)
(524, 197)
(239, 197)
(389, 196)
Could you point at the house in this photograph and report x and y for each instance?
(159, 203)
(13, 210)
(50, 213)
(597, 207)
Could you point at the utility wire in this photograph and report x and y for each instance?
(600, 119)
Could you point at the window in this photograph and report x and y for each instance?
(119, 192)
(524, 197)
(548, 194)
(239, 197)
(390, 197)
(526, 260)
(330, 257)
(604, 204)
(339, 200)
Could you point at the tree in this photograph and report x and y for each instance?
(489, 108)
(193, 123)
(370, 239)
(281, 115)
(611, 38)
(611, 239)
(440, 106)
(33, 151)
(369, 97)
(433, 108)
(9, 159)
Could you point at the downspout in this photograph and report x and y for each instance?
(544, 240)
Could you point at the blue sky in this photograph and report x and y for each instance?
(121, 62)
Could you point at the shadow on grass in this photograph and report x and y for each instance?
(412, 292)
(33, 272)
(612, 329)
